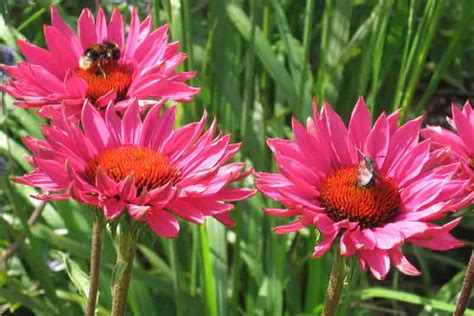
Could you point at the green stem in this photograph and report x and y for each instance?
(123, 270)
(209, 282)
(96, 250)
(336, 283)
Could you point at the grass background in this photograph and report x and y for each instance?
(259, 62)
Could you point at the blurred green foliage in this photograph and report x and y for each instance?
(259, 62)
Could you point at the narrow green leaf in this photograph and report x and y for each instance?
(78, 277)
(118, 271)
(379, 292)
(264, 53)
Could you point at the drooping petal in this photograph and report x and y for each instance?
(162, 223)
(402, 263)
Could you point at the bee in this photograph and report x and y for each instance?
(99, 54)
(366, 171)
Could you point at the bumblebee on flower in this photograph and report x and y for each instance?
(99, 63)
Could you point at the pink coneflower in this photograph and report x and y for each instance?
(461, 144)
(144, 167)
(98, 64)
(375, 187)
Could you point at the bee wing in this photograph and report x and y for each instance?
(365, 173)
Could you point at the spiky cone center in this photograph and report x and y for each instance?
(471, 162)
(370, 206)
(113, 76)
(149, 168)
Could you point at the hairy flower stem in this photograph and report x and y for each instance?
(466, 289)
(123, 270)
(336, 283)
(96, 251)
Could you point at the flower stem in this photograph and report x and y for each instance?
(336, 283)
(463, 299)
(123, 270)
(96, 251)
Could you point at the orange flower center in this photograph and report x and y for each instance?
(471, 162)
(369, 206)
(149, 168)
(114, 77)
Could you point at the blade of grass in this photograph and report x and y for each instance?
(208, 276)
(379, 292)
(249, 75)
(264, 52)
(304, 94)
(380, 35)
(406, 51)
(174, 265)
(448, 56)
(218, 247)
(427, 40)
(334, 37)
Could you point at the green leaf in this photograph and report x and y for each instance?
(118, 271)
(379, 292)
(264, 52)
(78, 277)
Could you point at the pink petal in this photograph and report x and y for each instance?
(133, 33)
(402, 140)
(187, 211)
(378, 141)
(60, 48)
(438, 237)
(162, 223)
(154, 132)
(101, 25)
(289, 228)
(463, 127)
(324, 245)
(280, 212)
(363, 238)
(131, 125)
(137, 211)
(225, 219)
(75, 85)
(338, 132)
(378, 262)
(388, 236)
(86, 29)
(95, 128)
(359, 125)
(113, 208)
(346, 244)
(402, 263)
(39, 56)
(115, 29)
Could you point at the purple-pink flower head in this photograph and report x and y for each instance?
(460, 143)
(374, 188)
(99, 63)
(144, 167)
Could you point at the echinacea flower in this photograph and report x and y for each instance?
(143, 66)
(318, 183)
(461, 143)
(144, 166)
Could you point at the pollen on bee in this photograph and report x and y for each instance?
(85, 63)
